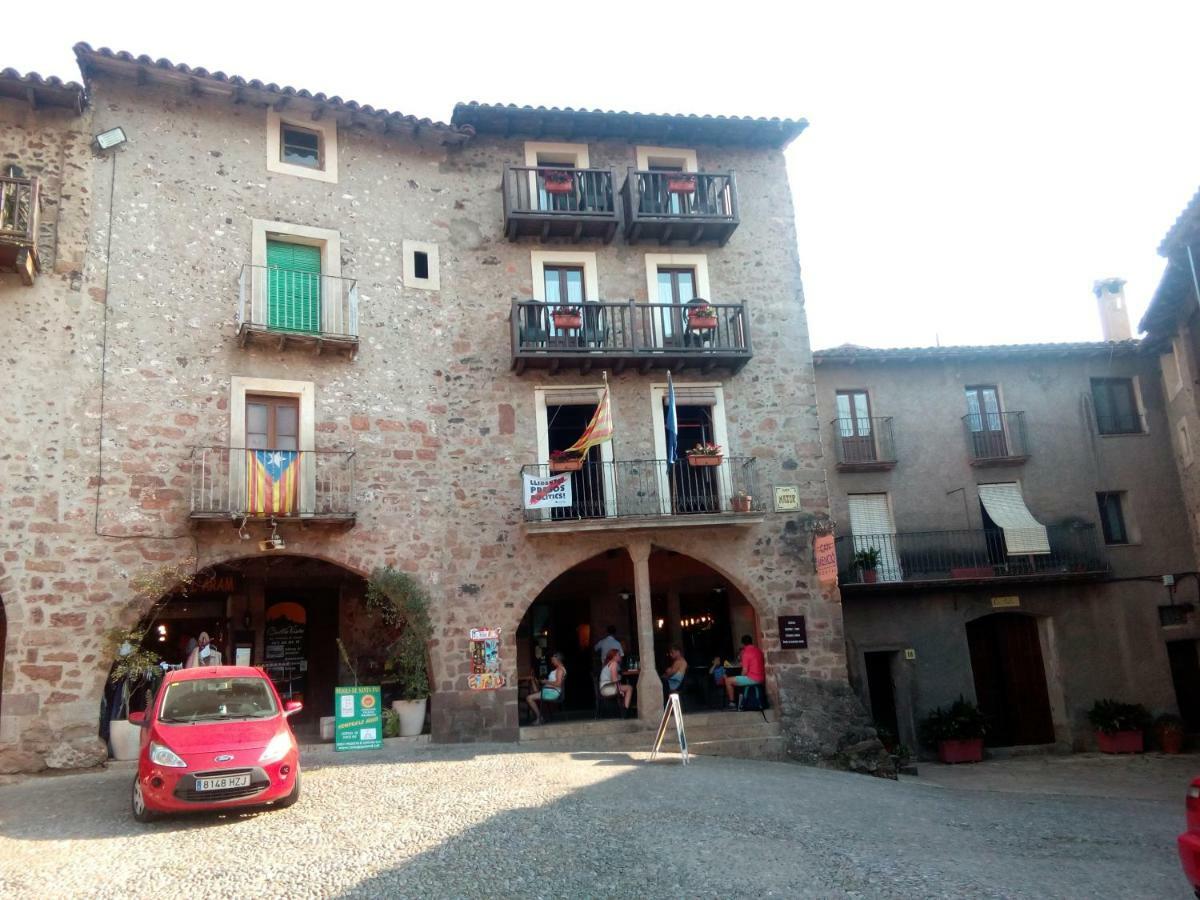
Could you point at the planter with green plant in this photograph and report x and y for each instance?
(562, 461)
(1120, 727)
(956, 731)
(402, 602)
(867, 563)
(567, 317)
(1168, 730)
(701, 317)
(705, 454)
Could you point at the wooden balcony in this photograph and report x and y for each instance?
(570, 204)
(644, 336)
(20, 210)
(282, 308)
(688, 207)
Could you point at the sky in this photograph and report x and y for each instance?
(968, 171)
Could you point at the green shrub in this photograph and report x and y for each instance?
(960, 721)
(391, 723)
(402, 602)
(1111, 716)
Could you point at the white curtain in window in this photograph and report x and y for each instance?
(872, 528)
(1023, 534)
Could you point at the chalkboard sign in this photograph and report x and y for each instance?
(793, 634)
(284, 649)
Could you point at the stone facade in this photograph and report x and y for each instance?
(438, 423)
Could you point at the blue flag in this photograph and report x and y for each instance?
(672, 423)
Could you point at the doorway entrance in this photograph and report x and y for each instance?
(1010, 679)
(881, 688)
(1184, 657)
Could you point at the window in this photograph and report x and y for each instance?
(985, 422)
(1112, 517)
(541, 155)
(872, 529)
(421, 268)
(272, 423)
(1185, 442)
(700, 407)
(296, 282)
(854, 427)
(1116, 405)
(656, 198)
(672, 279)
(300, 146)
(562, 415)
(564, 277)
(272, 414)
(293, 286)
(421, 264)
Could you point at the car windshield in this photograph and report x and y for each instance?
(217, 699)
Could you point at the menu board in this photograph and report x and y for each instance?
(284, 643)
(793, 634)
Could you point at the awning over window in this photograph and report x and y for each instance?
(1023, 534)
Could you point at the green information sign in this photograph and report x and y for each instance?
(357, 718)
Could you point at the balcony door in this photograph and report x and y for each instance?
(695, 489)
(985, 422)
(566, 285)
(293, 287)
(854, 427)
(272, 424)
(589, 496)
(676, 286)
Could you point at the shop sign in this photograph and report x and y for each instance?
(485, 660)
(825, 555)
(1005, 602)
(547, 493)
(793, 634)
(787, 498)
(357, 718)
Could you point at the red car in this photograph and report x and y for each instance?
(215, 737)
(1189, 841)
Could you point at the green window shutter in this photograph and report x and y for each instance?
(294, 286)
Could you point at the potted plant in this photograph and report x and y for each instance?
(701, 316)
(135, 669)
(562, 461)
(705, 454)
(1119, 726)
(957, 731)
(867, 562)
(403, 603)
(680, 183)
(1168, 728)
(567, 317)
(391, 723)
(741, 502)
(558, 181)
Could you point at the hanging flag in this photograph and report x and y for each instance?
(272, 477)
(672, 423)
(599, 430)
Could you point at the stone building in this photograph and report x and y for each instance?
(1006, 515)
(250, 267)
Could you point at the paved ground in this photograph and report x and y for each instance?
(491, 821)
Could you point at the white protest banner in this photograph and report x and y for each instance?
(544, 493)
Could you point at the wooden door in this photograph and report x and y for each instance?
(1184, 657)
(985, 422)
(676, 286)
(854, 427)
(882, 690)
(272, 479)
(1010, 679)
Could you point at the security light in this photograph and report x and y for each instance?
(114, 137)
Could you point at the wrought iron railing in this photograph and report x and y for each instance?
(651, 487)
(228, 481)
(629, 327)
(1120, 423)
(863, 441)
(20, 205)
(996, 436)
(296, 302)
(679, 195)
(553, 191)
(968, 554)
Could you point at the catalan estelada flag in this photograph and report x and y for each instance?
(272, 477)
(599, 430)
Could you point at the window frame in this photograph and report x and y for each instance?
(1121, 500)
(1135, 396)
(327, 131)
(658, 421)
(433, 279)
(284, 126)
(240, 387)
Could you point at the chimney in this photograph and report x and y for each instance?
(1114, 315)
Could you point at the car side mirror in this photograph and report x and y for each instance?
(139, 719)
(291, 707)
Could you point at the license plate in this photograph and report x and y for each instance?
(221, 784)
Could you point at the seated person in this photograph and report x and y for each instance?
(610, 679)
(717, 671)
(753, 669)
(551, 690)
(673, 677)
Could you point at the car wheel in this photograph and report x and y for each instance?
(290, 798)
(140, 811)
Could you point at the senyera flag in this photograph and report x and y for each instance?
(599, 430)
(271, 480)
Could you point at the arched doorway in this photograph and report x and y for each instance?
(1010, 679)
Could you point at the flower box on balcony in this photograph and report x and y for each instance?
(558, 181)
(702, 318)
(565, 317)
(705, 455)
(681, 184)
(565, 463)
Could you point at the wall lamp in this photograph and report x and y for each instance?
(114, 137)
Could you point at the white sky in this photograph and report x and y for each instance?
(966, 175)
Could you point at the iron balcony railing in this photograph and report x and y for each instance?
(299, 303)
(627, 489)
(996, 437)
(863, 442)
(972, 554)
(629, 331)
(229, 482)
(687, 206)
(20, 205)
(1120, 423)
(560, 202)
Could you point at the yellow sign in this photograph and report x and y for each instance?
(787, 498)
(825, 554)
(1005, 602)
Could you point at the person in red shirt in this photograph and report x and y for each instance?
(754, 670)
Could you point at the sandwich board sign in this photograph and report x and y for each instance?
(673, 709)
(357, 718)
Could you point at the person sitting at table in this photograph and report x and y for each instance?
(610, 679)
(551, 690)
(672, 678)
(753, 670)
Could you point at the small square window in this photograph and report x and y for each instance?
(421, 264)
(299, 146)
(1112, 516)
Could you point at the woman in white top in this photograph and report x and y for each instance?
(610, 679)
(551, 690)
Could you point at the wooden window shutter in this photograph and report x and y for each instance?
(294, 286)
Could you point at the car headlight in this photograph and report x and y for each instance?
(277, 749)
(162, 755)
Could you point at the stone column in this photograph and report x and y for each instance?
(649, 696)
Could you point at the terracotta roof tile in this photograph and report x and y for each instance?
(849, 353)
(47, 90)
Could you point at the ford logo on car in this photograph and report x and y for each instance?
(224, 757)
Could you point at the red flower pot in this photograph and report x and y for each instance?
(558, 183)
(968, 750)
(698, 460)
(702, 323)
(870, 576)
(565, 465)
(1170, 740)
(682, 184)
(567, 320)
(1120, 741)
(741, 504)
